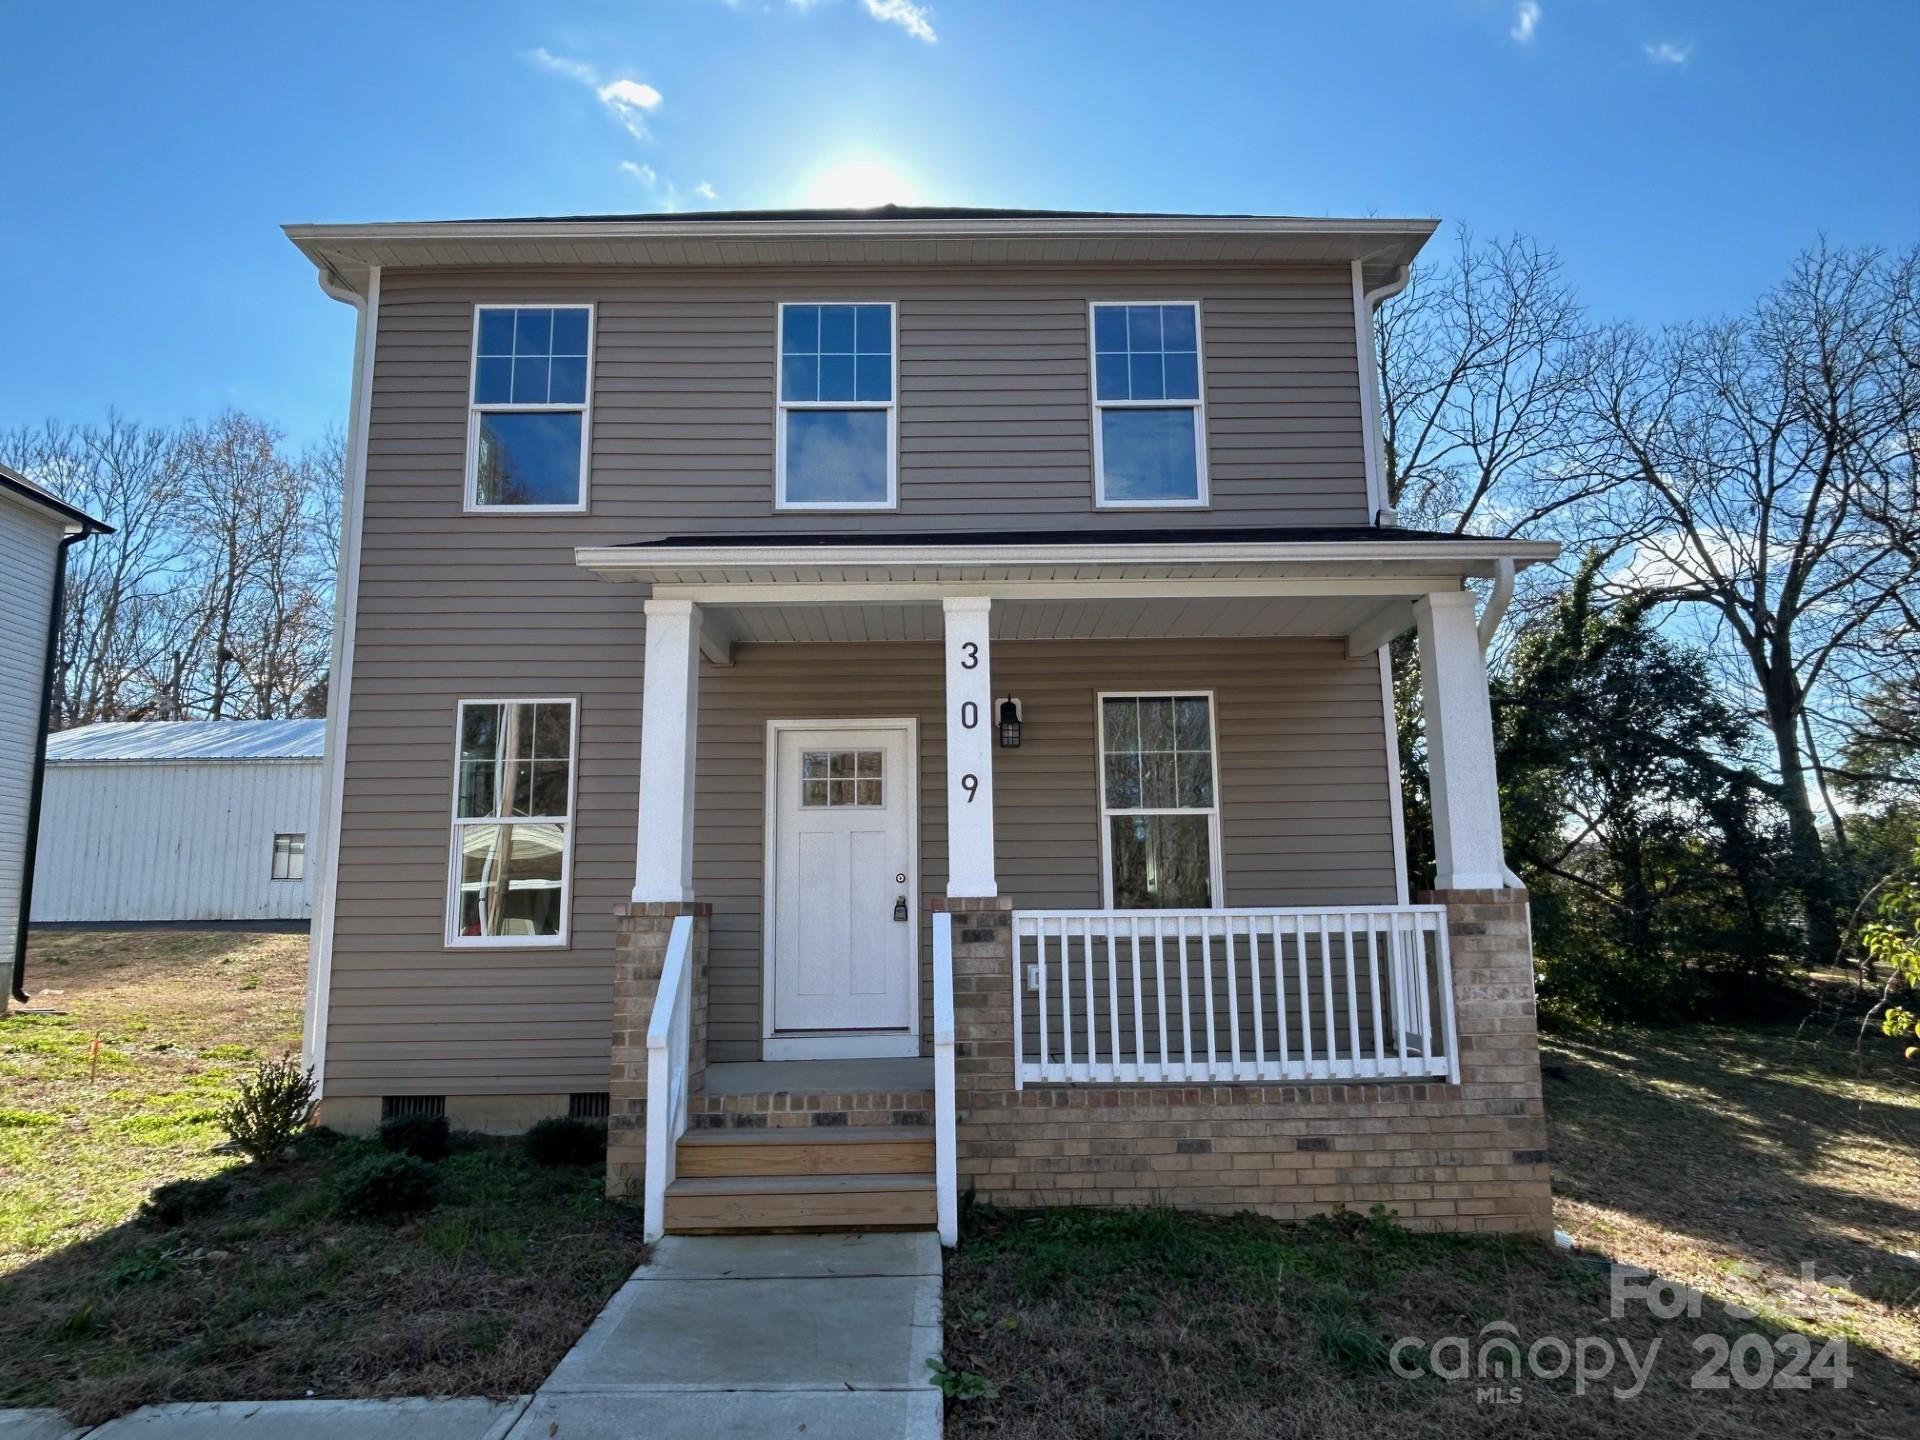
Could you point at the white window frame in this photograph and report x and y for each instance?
(1216, 864)
(456, 823)
(1202, 499)
(471, 494)
(273, 865)
(781, 406)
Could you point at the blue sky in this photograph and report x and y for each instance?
(1677, 154)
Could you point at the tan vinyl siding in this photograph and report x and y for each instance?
(994, 430)
(995, 411)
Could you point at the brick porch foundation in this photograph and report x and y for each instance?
(641, 932)
(1470, 1156)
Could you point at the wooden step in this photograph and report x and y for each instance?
(721, 1204)
(816, 1150)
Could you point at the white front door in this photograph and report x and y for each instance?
(843, 925)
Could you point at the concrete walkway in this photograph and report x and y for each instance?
(757, 1337)
(750, 1337)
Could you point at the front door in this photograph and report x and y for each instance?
(843, 925)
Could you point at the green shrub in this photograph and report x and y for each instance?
(425, 1137)
(273, 1107)
(561, 1140)
(384, 1185)
(179, 1201)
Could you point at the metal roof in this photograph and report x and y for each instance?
(190, 740)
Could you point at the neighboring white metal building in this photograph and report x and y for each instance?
(179, 820)
(36, 529)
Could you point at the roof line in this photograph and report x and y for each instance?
(16, 483)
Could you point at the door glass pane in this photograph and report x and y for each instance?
(510, 879)
(834, 778)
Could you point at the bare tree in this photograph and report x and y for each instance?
(1479, 390)
(1764, 469)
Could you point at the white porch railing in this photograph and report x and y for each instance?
(669, 1040)
(946, 1187)
(1181, 996)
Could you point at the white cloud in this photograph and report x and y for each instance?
(561, 65)
(706, 191)
(643, 173)
(917, 20)
(1667, 52)
(628, 101)
(1526, 19)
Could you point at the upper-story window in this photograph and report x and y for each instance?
(834, 441)
(1150, 430)
(527, 431)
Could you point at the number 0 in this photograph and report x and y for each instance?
(969, 716)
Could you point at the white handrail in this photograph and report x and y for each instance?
(669, 1038)
(1326, 993)
(946, 1184)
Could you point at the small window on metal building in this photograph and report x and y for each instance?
(290, 857)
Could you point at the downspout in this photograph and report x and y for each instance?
(37, 786)
(1370, 301)
(1490, 618)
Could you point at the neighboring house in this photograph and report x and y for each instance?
(171, 820)
(36, 530)
(894, 704)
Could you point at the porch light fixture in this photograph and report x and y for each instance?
(1009, 724)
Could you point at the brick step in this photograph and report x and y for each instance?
(722, 1204)
(816, 1150)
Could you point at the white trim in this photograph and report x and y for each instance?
(852, 1045)
(1396, 798)
(933, 592)
(781, 406)
(469, 500)
(456, 823)
(1216, 878)
(346, 609)
(669, 750)
(1474, 554)
(1468, 850)
(1202, 500)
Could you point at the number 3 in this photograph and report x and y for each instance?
(972, 662)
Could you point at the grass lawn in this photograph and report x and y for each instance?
(267, 1293)
(1720, 1159)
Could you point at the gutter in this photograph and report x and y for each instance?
(37, 786)
(1371, 300)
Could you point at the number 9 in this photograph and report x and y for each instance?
(971, 784)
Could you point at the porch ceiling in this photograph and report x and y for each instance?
(1195, 617)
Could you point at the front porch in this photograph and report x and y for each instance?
(1263, 990)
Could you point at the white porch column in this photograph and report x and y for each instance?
(1467, 846)
(669, 724)
(970, 739)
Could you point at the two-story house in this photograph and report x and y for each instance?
(891, 704)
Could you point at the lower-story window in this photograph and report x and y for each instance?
(1159, 802)
(512, 822)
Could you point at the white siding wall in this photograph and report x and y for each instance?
(185, 840)
(29, 543)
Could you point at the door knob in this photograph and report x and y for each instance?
(900, 908)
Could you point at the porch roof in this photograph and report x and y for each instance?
(1086, 554)
(1359, 583)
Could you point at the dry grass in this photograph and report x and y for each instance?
(1716, 1158)
(1728, 1158)
(267, 1293)
(180, 1016)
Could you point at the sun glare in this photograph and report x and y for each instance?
(859, 184)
